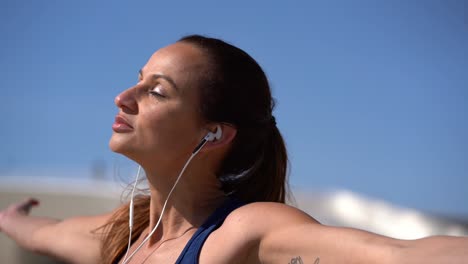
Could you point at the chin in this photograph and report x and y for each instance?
(118, 145)
(124, 148)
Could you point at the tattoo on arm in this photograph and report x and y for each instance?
(298, 260)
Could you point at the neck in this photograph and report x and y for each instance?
(195, 197)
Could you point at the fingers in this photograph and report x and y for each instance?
(26, 205)
(22, 208)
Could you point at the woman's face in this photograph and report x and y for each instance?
(158, 119)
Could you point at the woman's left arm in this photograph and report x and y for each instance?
(287, 235)
(315, 243)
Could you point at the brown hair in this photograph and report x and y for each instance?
(234, 90)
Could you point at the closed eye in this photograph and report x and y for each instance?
(157, 91)
(156, 94)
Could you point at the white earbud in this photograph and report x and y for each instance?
(216, 135)
(209, 137)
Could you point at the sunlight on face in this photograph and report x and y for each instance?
(158, 120)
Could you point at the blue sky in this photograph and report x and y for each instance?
(372, 95)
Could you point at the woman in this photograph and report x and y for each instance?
(199, 122)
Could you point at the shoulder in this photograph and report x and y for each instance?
(267, 214)
(258, 220)
(246, 227)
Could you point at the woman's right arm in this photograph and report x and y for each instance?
(74, 240)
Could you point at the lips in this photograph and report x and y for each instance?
(121, 125)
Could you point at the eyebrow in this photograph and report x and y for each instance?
(162, 76)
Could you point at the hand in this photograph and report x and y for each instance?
(21, 208)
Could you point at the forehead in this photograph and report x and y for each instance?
(180, 61)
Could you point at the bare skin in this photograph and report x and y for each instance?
(271, 233)
(158, 126)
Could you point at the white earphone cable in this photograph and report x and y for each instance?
(130, 214)
(125, 259)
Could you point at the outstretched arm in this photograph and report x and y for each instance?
(72, 240)
(288, 235)
(314, 243)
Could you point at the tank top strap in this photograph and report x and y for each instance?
(193, 248)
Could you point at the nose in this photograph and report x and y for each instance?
(126, 101)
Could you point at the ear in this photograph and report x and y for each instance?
(227, 136)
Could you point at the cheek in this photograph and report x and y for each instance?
(168, 130)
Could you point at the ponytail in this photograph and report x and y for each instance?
(266, 176)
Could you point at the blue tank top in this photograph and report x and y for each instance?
(193, 248)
